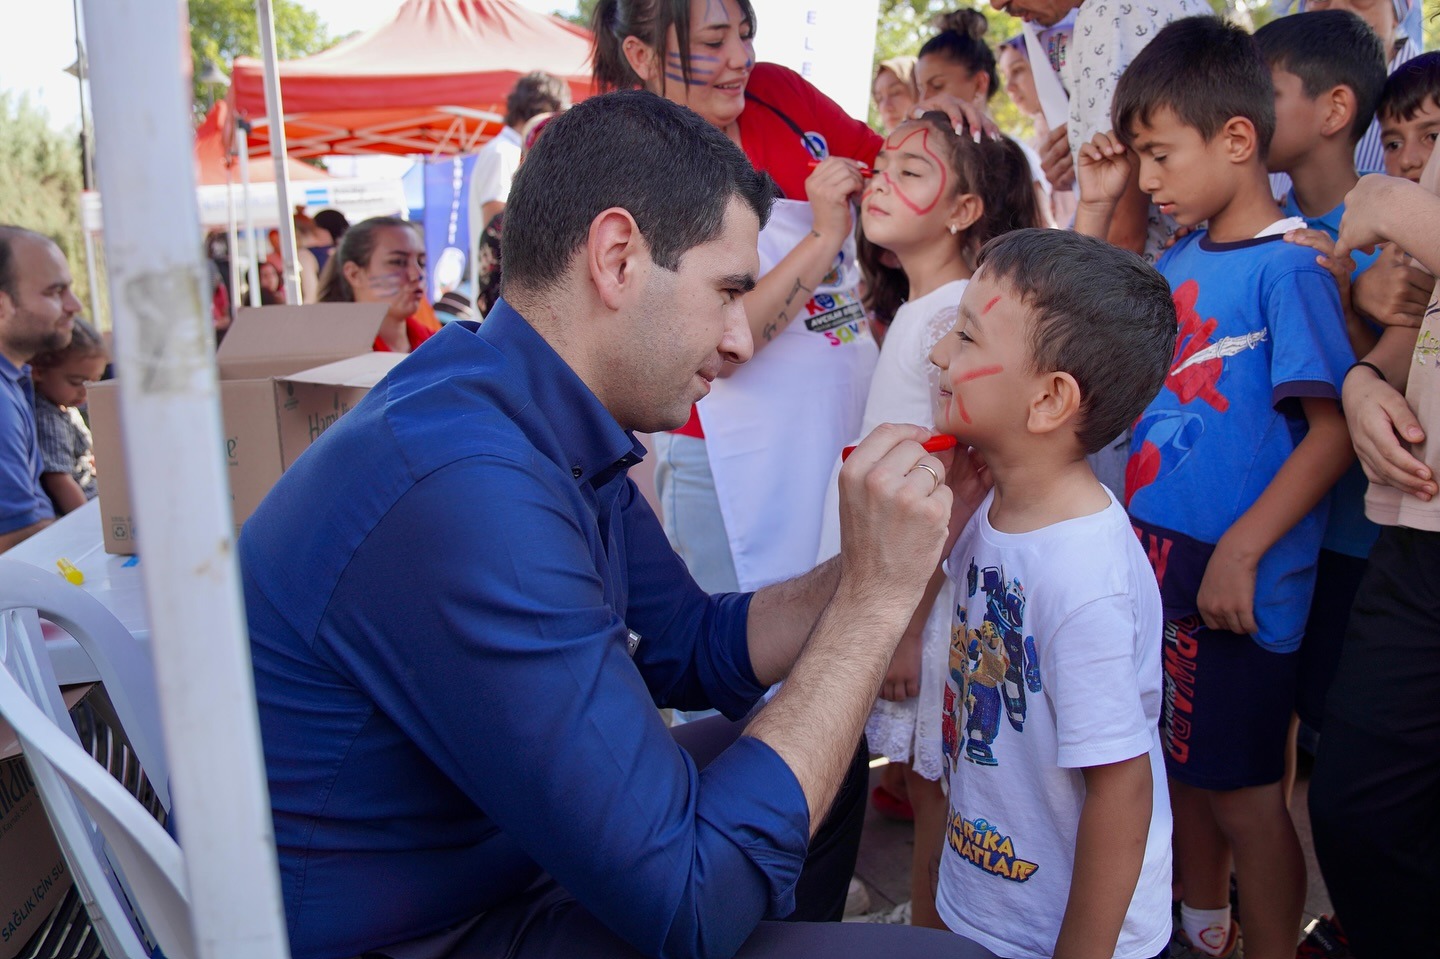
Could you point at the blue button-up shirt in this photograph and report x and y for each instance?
(22, 499)
(440, 594)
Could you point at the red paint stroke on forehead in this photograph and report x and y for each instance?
(924, 134)
(989, 306)
(983, 371)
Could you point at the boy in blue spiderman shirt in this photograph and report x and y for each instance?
(1230, 466)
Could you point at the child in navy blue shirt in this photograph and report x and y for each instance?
(1231, 465)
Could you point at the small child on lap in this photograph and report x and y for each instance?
(1057, 840)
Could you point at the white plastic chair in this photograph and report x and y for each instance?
(76, 791)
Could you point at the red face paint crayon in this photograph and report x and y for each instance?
(935, 444)
(865, 171)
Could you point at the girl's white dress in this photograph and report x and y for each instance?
(904, 390)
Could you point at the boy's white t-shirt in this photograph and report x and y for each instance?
(1058, 633)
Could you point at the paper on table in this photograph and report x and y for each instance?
(1054, 102)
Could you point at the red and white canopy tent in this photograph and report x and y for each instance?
(432, 80)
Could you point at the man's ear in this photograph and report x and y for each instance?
(642, 59)
(1056, 403)
(1340, 107)
(612, 255)
(1240, 139)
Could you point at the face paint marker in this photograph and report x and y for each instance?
(935, 444)
(862, 169)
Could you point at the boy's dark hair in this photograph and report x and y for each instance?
(962, 40)
(1328, 49)
(85, 341)
(1099, 313)
(533, 94)
(1407, 89)
(650, 20)
(673, 172)
(1205, 71)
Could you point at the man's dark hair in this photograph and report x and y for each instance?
(1328, 49)
(672, 171)
(1205, 71)
(1407, 89)
(1099, 313)
(8, 235)
(534, 94)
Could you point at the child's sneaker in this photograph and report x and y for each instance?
(1181, 948)
(1324, 939)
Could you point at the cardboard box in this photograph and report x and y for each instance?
(287, 373)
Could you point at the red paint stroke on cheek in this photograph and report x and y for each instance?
(900, 194)
(983, 371)
(989, 306)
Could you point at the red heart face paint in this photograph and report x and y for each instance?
(913, 144)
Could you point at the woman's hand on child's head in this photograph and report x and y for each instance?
(1381, 423)
(1104, 171)
(830, 188)
(1393, 291)
(1056, 159)
(1227, 591)
(966, 118)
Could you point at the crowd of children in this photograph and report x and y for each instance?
(1106, 660)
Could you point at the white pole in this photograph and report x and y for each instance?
(169, 397)
(242, 128)
(232, 237)
(276, 114)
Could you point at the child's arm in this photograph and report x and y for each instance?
(63, 491)
(1378, 416)
(902, 680)
(1227, 591)
(1109, 853)
(1392, 291)
(1104, 173)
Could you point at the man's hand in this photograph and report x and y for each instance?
(1056, 159)
(894, 511)
(1227, 591)
(1393, 291)
(1378, 418)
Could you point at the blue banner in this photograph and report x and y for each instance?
(447, 223)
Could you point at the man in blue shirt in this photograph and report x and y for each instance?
(463, 614)
(37, 313)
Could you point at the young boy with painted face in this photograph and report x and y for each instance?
(1230, 467)
(1057, 841)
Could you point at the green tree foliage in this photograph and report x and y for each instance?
(40, 181)
(221, 30)
(582, 17)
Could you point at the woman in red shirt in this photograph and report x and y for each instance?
(382, 260)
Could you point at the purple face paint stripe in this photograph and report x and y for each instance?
(676, 59)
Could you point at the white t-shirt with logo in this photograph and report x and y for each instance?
(1055, 665)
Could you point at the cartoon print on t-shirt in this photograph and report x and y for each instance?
(992, 666)
(1164, 438)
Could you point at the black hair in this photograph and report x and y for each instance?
(649, 20)
(1099, 313)
(1413, 82)
(1328, 49)
(333, 222)
(357, 246)
(997, 171)
(533, 94)
(1205, 71)
(673, 172)
(8, 235)
(85, 341)
(962, 40)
